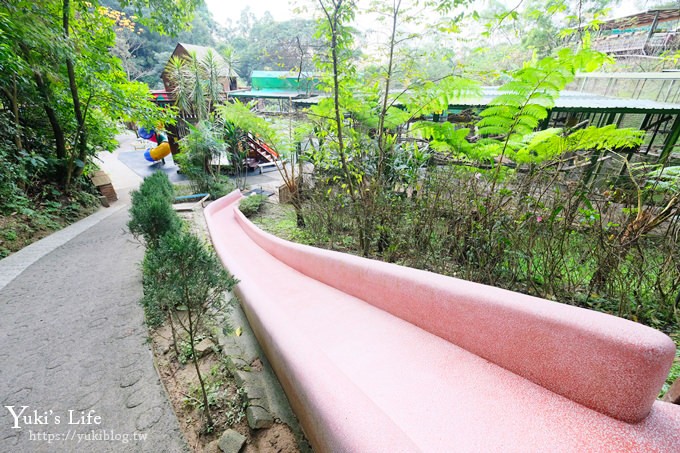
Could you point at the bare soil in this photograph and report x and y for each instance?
(228, 411)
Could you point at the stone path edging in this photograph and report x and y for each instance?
(13, 265)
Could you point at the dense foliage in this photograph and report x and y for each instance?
(63, 90)
(63, 95)
(251, 43)
(495, 201)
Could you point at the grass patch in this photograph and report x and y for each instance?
(279, 220)
(25, 225)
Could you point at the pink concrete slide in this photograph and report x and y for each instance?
(376, 357)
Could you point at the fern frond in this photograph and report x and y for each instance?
(496, 121)
(519, 87)
(492, 130)
(543, 99)
(525, 126)
(509, 99)
(541, 146)
(536, 111)
(529, 74)
(498, 110)
(551, 85)
(605, 138)
(440, 146)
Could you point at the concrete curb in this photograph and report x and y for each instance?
(267, 401)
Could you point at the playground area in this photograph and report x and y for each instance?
(132, 153)
(348, 227)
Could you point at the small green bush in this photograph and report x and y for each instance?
(193, 275)
(219, 187)
(157, 184)
(251, 205)
(156, 305)
(189, 274)
(151, 213)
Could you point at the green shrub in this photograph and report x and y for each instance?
(151, 213)
(251, 205)
(157, 184)
(156, 304)
(219, 187)
(185, 272)
(193, 276)
(199, 148)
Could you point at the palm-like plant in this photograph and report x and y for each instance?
(179, 77)
(214, 70)
(196, 83)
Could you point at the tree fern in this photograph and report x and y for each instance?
(179, 78)
(508, 125)
(547, 144)
(529, 96)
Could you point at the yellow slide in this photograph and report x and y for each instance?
(157, 153)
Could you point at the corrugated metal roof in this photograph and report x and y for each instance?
(282, 74)
(313, 100)
(581, 101)
(568, 101)
(644, 17)
(670, 75)
(266, 94)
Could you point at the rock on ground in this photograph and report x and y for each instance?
(231, 441)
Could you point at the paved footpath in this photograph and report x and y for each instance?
(73, 347)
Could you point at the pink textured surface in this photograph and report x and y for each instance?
(377, 357)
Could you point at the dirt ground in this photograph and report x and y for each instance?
(227, 401)
(228, 411)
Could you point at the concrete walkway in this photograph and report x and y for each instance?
(73, 344)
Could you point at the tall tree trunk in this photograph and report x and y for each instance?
(80, 140)
(13, 99)
(57, 131)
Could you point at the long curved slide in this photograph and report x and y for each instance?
(376, 357)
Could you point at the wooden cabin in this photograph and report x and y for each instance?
(184, 51)
(166, 97)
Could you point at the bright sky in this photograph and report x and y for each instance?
(222, 9)
(282, 9)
